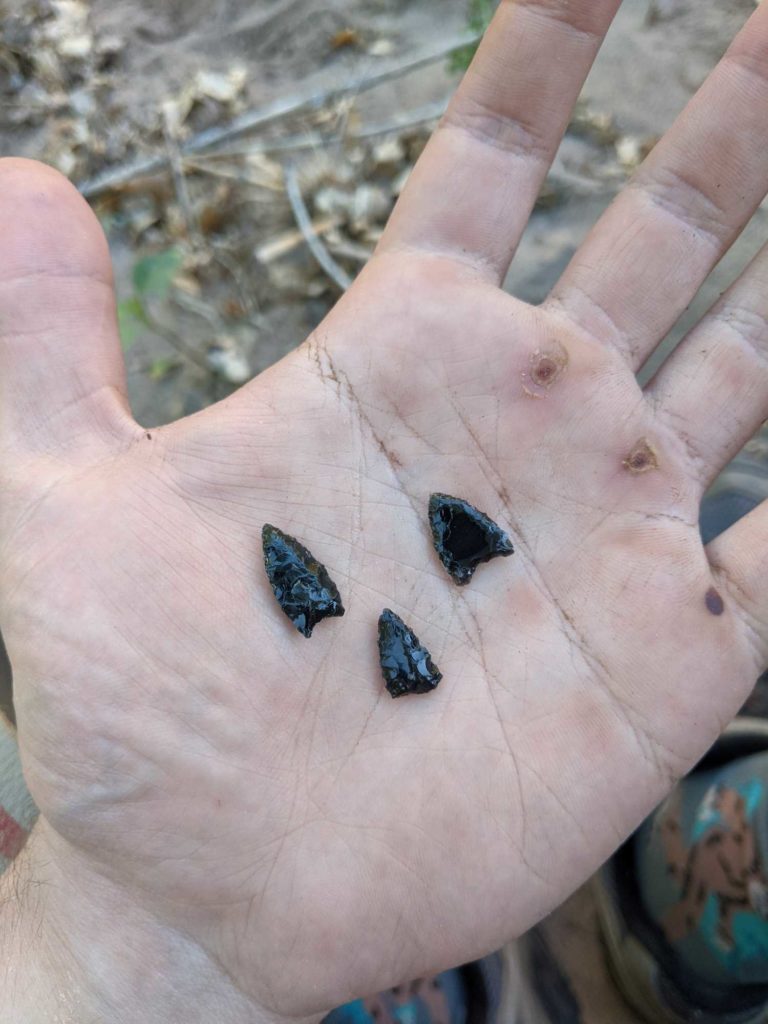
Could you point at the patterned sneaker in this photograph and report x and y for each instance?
(17, 812)
(466, 995)
(684, 903)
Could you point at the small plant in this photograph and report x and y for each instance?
(152, 279)
(479, 14)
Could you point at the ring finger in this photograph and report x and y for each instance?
(713, 390)
(650, 252)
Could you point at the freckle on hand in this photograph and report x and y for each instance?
(714, 602)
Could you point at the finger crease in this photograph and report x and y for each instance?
(671, 193)
(36, 275)
(612, 335)
(748, 325)
(559, 13)
(750, 65)
(493, 128)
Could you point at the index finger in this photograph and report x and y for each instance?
(472, 192)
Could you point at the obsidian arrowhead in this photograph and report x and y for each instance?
(406, 665)
(464, 537)
(302, 586)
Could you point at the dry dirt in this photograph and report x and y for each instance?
(655, 56)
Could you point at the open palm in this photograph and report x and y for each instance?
(261, 793)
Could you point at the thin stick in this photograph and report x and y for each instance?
(313, 140)
(179, 180)
(293, 190)
(251, 119)
(287, 241)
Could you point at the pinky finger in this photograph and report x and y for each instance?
(739, 559)
(713, 390)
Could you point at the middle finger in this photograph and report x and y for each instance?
(650, 252)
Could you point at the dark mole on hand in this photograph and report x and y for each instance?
(714, 602)
(642, 458)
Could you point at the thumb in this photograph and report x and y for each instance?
(62, 377)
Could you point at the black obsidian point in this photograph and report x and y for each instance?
(406, 665)
(464, 537)
(302, 586)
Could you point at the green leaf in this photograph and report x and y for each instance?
(462, 58)
(479, 14)
(162, 367)
(153, 274)
(131, 319)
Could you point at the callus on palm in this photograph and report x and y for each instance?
(301, 584)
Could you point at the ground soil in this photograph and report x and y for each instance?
(656, 55)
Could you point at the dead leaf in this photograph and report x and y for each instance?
(381, 48)
(388, 155)
(68, 30)
(222, 87)
(226, 358)
(345, 37)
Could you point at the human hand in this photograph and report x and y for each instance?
(261, 795)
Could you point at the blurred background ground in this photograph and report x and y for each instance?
(214, 277)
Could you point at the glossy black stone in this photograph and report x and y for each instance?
(406, 665)
(464, 537)
(302, 586)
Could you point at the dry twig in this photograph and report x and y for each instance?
(179, 180)
(336, 273)
(248, 121)
(279, 246)
(314, 140)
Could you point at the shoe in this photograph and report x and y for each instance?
(17, 811)
(683, 904)
(466, 995)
